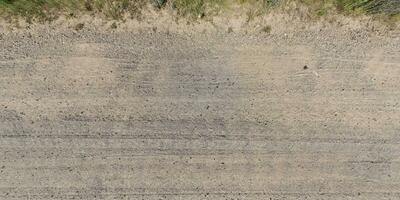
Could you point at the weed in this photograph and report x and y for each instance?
(88, 5)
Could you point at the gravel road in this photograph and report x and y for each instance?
(163, 115)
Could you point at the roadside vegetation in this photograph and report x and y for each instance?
(47, 10)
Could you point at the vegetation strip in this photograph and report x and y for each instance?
(47, 10)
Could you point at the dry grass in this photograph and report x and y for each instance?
(46, 10)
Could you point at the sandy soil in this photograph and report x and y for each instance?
(160, 114)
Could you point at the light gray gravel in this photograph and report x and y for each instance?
(95, 115)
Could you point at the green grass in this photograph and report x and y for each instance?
(47, 10)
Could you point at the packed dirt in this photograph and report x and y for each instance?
(195, 111)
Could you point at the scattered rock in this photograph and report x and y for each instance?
(266, 29)
(201, 15)
(79, 26)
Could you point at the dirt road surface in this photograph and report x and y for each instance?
(163, 115)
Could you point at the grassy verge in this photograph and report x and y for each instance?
(45, 10)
